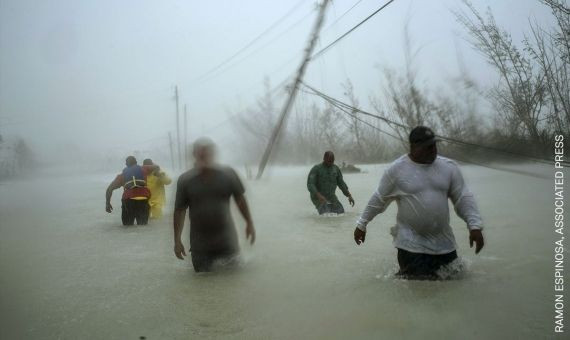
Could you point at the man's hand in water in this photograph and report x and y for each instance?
(351, 200)
(179, 250)
(250, 232)
(476, 236)
(108, 207)
(321, 198)
(359, 236)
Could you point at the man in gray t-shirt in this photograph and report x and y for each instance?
(206, 190)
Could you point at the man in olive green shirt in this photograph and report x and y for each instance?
(322, 182)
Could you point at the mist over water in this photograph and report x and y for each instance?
(70, 270)
(84, 85)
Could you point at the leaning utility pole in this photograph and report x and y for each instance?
(177, 127)
(185, 137)
(300, 72)
(171, 151)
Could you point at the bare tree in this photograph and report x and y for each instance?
(402, 100)
(256, 123)
(354, 125)
(551, 50)
(520, 97)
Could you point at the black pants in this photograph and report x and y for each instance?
(134, 210)
(327, 208)
(204, 261)
(415, 266)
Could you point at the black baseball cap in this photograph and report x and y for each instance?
(422, 135)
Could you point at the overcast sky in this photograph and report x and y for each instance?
(101, 74)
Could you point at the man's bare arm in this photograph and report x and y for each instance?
(115, 184)
(244, 210)
(179, 215)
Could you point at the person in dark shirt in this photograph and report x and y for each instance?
(322, 182)
(206, 190)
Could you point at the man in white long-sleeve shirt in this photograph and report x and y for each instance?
(421, 183)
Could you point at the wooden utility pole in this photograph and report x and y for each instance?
(185, 137)
(178, 127)
(171, 151)
(300, 72)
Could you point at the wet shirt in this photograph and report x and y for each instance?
(325, 179)
(136, 192)
(422, 192)
(207, 195)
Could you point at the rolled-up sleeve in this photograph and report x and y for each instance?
(464, 201)
(379, 201)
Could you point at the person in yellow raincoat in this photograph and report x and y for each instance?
(155, 183)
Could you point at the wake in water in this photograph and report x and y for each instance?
(331, 215)
(458, 269)
(226, 264)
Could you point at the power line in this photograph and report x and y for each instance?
(277, 37)
(521, 172)
(290, 60)
(298, 80)
(281, 66)
(272, 92)
(322, 51)
(365, 122)
(253, 41)
(337, 103)
(341, 16)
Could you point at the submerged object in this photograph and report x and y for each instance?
(349, 168)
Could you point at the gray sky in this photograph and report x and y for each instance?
(100, 74)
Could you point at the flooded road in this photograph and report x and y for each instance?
(71, 271)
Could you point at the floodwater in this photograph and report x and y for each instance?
(71, 271)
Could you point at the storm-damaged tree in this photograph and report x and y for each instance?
(367, 143)
(314, 130)
(451, 112)
(531, 99)
(16, 158)
(256, 123)
(551, 50)
(355, 121)
(401, 99)
(24, 156)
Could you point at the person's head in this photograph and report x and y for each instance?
(204, 151)
(423, 147)
(130, 161)
(328, 158)
(148, 161)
